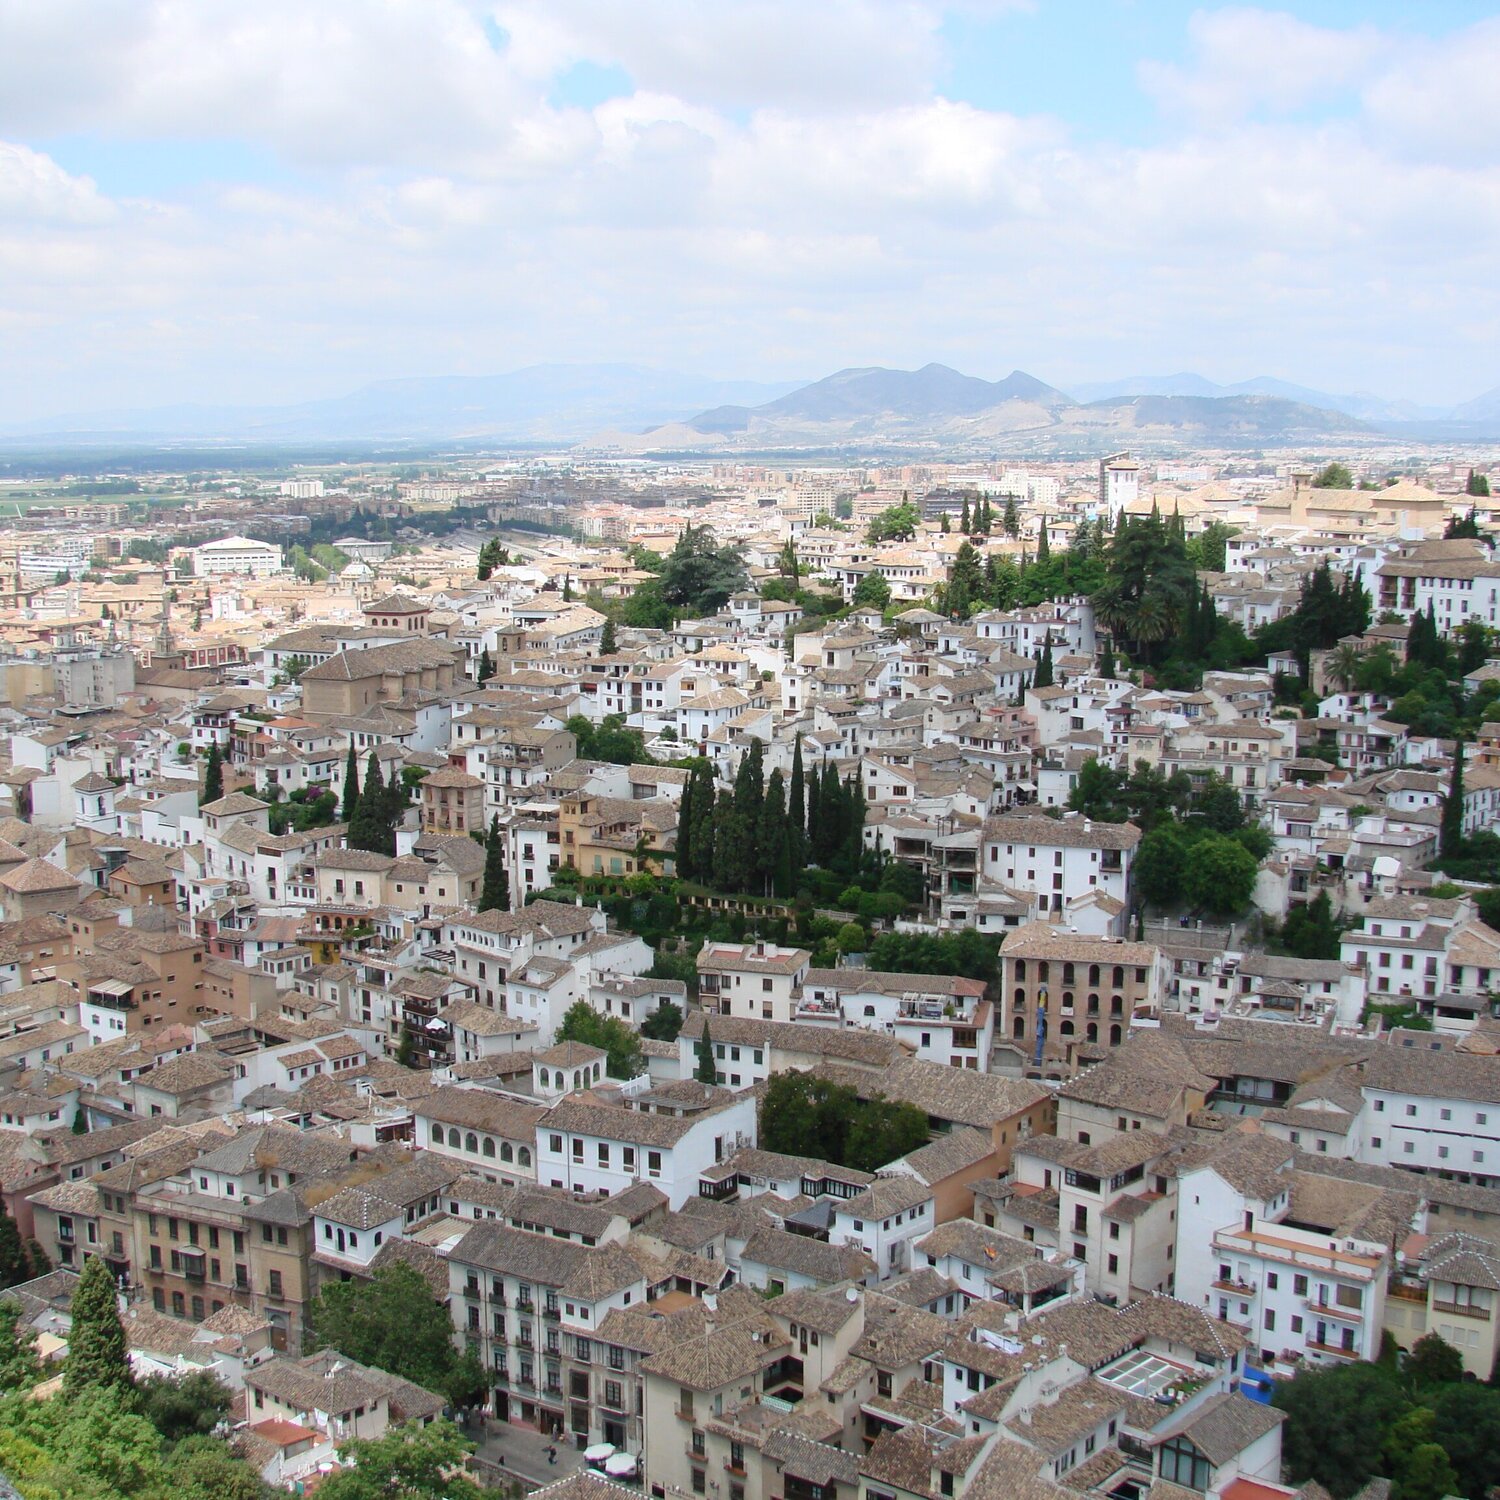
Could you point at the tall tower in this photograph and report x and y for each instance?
(1119, 484)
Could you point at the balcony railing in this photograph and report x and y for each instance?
(1462, 1310)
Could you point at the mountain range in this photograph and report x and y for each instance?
(635, 409)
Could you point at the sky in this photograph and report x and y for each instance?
(268, 201)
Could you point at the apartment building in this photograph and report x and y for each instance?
(755, 981)
(1057, 861)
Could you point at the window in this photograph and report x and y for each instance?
(273, 1283)
(1182, 1463)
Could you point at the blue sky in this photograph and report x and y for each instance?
(203, 200)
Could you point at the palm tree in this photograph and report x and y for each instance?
(1343, 666)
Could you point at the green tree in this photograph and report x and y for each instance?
(1157, 871)
(14, 1266)
(771, 839)
(796, 809)
(213, 776)
(202, 1468)
(1310, 930)
(410, 1462)
(1451, 828)
(20, 1369)
(607, 646)
(1011, 524)
(97, 1358)
(1334, 476)
(621, 1046)
(963, 518)
(1099, 792)
(1219, 875)
(872, 590)
(705, 1070)
(178, 1407)
(1337, 1421)
(1433, 1361)
(391, 1321)
(1477, 485)
(882, 1131)
(1467, 1425)
(699, 575)
(494, 895)
(897, 524)
(664, 1023)
(1042, 677)
(377, 812)
(486, 667)
(350, 804)
(1043, 544)
(966, 581)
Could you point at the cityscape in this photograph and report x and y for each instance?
(872, 924)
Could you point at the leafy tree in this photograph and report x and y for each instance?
(486, 667)
(1219, 875)
(410, 1462)
(1419, 1466)
(1467, 1425)
(178, 1407)
(1099, 792)
(1433, 1361)
(14, 1266)
(97, 1357)
(494, 895)
(582, 1023)
(406, 1047)
(1334, 476)
(897, 524)
(201, 1468)
(1336, 1424)
(391, 1321)
(1011, 523)
(664, 1023)
(213, 776)
(705, 1069)
(350, 805)
(1158, 867)
(883, 1130)
(965, 582)
(699, 575)
(1465, 527)
(1478, 485)
(872, 590)
(1208, 549)
(1310, 930)
(377, 812)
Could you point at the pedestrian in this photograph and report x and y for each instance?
(552, 1454)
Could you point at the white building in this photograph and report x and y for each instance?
(236, 556)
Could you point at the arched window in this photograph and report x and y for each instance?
(1093, 973)
(489, 1146)
(1093, 1005)
(1043, 970)
(1067, 973)
(506, 1153)
(471, 1143)
(542, 1077)
(577, 1079)
(1018, 1027)
(523, 1156)
(1067, 999)
(1119, 979)
(437, 1135)
(1066, 1029)
(1117, 1006)
(1092, 1034)
(1114, 1036)
(1020, 968)
(453, 1138)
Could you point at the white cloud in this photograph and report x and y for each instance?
(781, 192)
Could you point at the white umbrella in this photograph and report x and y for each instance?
(621, 1466)
(598, 1453)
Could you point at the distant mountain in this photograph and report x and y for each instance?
(1485, 408)
(541, 403)
(1359, 404)
(938, 406)
(874, 393)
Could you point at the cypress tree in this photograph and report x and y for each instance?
(486, 666)
(607, 645)
(796, 808)
(213, 776)
(1451, 829)
(771, 837)
(13, 1264)
(831, 814)
(725, 869)
(705, 1070)
(1043, 546)
(494, 895)
(705, 811)
(351, 784)
(813, 842)
(854, 799)
(1012, 522)
(1042, 678)
(97, 1357)
(963, 519)
(682, 853)
(374, 826)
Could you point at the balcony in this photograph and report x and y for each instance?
(1236, 1288)
(1330, 1310)
(1462, 1310)
(1337, 1350)
(552, 1312)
